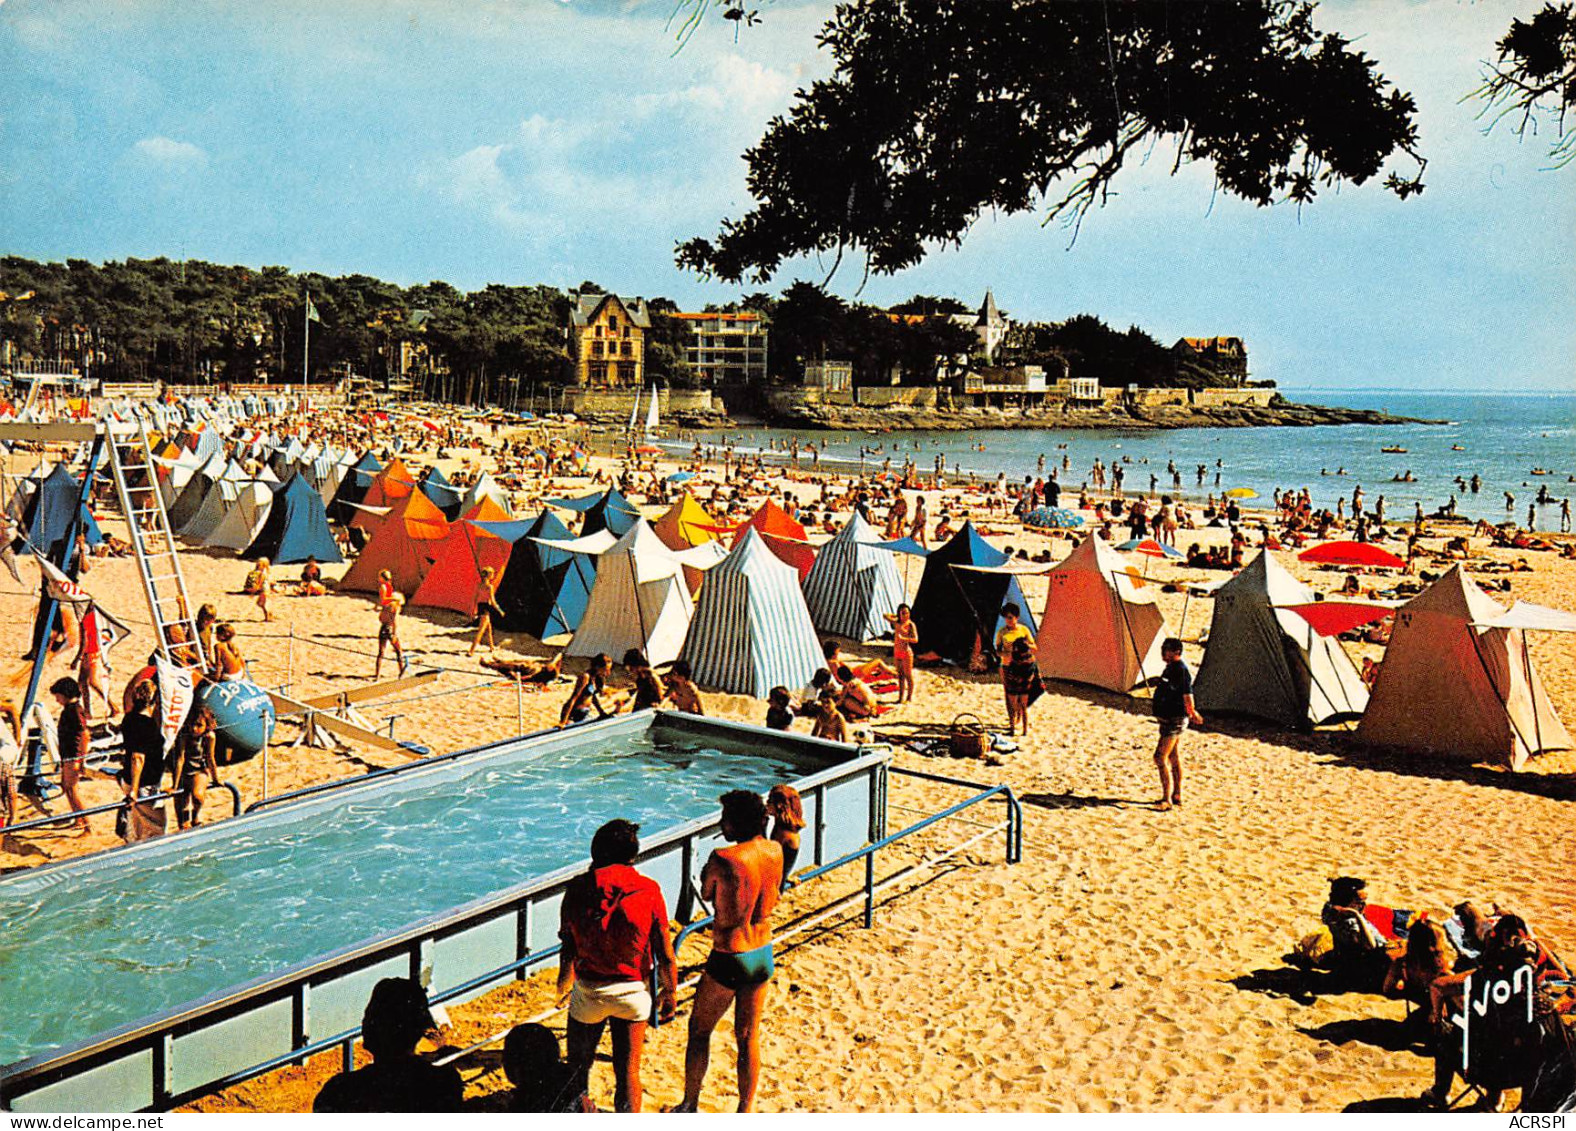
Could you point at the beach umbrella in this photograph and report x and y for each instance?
(1351, 553)
(1242, 493)
(648, 450)
(1053, 518)
(1333, 617)
(681, 477)
(1150, 548)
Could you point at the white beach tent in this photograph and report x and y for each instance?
(1101, 625)
(1268, 662)
(640, 599)
(246, 509)
(853, 583)
(216, 502)
(1457, 679)
(752, 630)
(485, 487)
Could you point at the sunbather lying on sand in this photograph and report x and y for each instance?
(535, 673)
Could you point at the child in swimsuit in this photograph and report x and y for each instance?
(786, 809)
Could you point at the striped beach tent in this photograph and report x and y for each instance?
(853, 584)
(640, 600)
(751, 631)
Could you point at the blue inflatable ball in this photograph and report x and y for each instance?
(243, 716)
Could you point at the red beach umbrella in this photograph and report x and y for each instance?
(1352, 554)
(1331, 618)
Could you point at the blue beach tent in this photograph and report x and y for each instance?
(544, 589)
(444, 495)
(957, 609)
(353, 488)
(607, 511)
(48, 514)
(853, 583)
(296, 527)
(751, 631)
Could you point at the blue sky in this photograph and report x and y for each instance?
(523, 141)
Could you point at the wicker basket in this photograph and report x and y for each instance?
(967, 737)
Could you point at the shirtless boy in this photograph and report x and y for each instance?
(740, 883)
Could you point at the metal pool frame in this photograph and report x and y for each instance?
(245, 1030)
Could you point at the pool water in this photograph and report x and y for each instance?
(86, 948)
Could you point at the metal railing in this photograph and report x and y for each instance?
(109, 807)
(1012, 827)
(243, 1031)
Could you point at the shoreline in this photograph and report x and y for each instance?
(1156, 418)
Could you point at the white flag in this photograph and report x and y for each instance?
(61, 587)
(177, 693)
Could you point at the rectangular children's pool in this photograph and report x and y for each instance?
(139, 976)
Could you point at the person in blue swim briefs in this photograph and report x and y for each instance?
(741, 883)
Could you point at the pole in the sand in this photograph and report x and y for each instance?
(290, 664)
(519, 705)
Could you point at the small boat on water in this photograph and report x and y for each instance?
(1394, 451)
(1457, 448)
(1541, 471)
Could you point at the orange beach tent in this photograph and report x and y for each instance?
(403, 543)
(387, 488)
(785, 536)
(458, 560)
(1457, 679)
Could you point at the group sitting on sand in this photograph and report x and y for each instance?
(1433, 963)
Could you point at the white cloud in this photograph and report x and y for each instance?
(168, 151)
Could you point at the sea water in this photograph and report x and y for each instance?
(147, 929)
(1503, 438)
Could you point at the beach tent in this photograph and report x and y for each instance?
(388, 487)
(486, 487)
(458, 560)
(296, 527)
(609, 511)
(784, 536)
(247, 503)
(1457, 680)
(751, 631)
(449, 498)
(640, 600)
(216, 501)
(853, 584)
(189, 501)
(544, 588)
(403, 544)
(47, 516)
(353, 488)
(1268, 662)
(1101, 624)
(957, 608)
(683, 525)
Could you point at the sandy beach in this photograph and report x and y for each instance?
(1131, 962)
